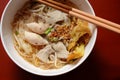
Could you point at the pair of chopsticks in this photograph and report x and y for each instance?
(83, 15)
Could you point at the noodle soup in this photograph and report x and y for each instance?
(49, 38)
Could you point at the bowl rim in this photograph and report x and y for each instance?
(93, 13)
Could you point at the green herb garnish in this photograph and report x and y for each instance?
(53, 39)
(48, 31)
(16, 32)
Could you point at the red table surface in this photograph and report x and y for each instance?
(102, 64)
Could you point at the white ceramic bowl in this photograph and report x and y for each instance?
(6, 36)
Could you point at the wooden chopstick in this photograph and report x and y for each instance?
(83, 15)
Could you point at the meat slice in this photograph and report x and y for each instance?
(60, 50)
(35, 39)
(44, 54)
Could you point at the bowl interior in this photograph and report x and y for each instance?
(7, 40)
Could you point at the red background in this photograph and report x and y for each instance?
(102, 64)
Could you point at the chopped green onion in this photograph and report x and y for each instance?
(53, 39)
(16, 32)
(48, 31)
